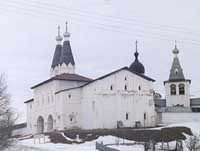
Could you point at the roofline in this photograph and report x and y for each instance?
(102, 77)
(46, 81)
(177, 80)
(31, 100)
(68, 89)
(141, 75)
(53, 78)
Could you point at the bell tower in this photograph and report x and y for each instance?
(177, 88)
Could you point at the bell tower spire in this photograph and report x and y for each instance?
(176, 72)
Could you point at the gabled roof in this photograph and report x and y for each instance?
(102, 77)
(124, 68)
(29, 100)
(66, 77)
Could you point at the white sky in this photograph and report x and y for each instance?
(103, 39)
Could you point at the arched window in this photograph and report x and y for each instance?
(181, 89)
(173, 89)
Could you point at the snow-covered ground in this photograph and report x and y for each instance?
(28, 144)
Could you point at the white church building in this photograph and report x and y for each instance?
(121, 98)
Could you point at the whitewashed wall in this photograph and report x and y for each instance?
(97, 106)
(102, 107)
(70, 103)
(45, 104)
(169, 118)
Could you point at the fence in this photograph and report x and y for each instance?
(102, 147)
(39, 137)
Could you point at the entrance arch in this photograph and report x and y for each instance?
(40, 125)
(50, 123)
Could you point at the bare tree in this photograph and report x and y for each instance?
(146, 146)
(193, 143)
(6, 115)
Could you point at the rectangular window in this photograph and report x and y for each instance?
(126, 116)
(145, 116)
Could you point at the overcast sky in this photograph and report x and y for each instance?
(103, 34)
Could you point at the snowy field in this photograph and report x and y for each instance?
(29, 145)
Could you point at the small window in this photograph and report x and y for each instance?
(126, 116)
(125, 78)
(31, 106)
(125, 87)
(145, 116)
(71, 119)
(173, 89)
(176, 71)
(139, 88)
(181, 89)
(69, 96)
(111, 87)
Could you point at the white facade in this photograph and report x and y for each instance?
(122, 96)
(46, 105)
(100, 106)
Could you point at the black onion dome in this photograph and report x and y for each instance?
(137, 66)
